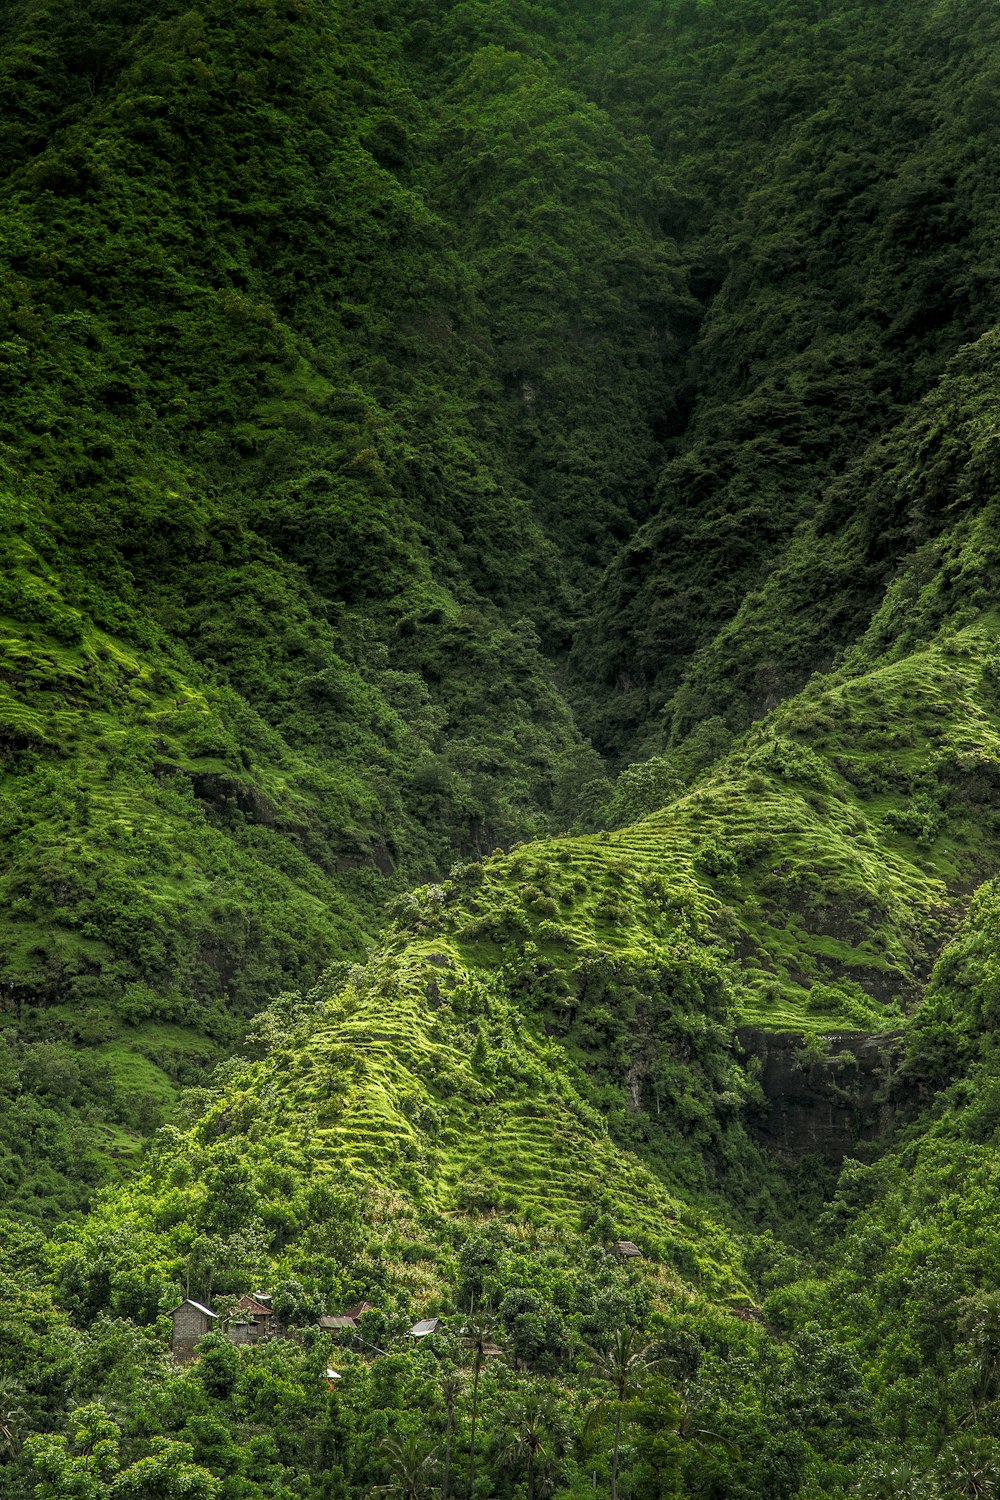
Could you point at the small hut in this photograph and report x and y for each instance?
(425, 1328)
(337, 1322)
(255, 1320)
(191, 1320)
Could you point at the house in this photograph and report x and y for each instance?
(348, 1318)
(424, 1327)
(191, 1320)
(358, 1310)
(253, 1319)
(627, 1250)
(241, 1331)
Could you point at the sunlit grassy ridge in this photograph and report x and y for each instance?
(552, 1028)
(826, 858)
(423, 1078)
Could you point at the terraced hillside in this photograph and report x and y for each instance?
(500, 748)
(540, 1058)
(557, 1023)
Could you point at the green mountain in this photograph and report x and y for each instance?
(500, 749)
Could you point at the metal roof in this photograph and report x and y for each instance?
(190, 1302)
(424, 1327)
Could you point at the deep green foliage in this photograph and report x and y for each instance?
(500, 552)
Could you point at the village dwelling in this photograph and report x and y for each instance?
(425, 1327)
(349, 1318)
(252, 1319)
(191, 1320)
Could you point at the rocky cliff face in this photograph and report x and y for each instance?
(823, 1096)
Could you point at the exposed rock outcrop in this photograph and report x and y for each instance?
(823, 1095)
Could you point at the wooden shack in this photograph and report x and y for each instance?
(337, 1322)
(191, 1320)
(253, 1319)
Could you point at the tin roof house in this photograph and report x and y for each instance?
(191, 1320)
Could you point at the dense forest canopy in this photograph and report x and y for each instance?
(499, 749)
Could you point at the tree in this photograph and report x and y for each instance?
(534, 1431)
(643, 788)
(12, 1416)
(293, 1305)
(452, 1386)
(623, 1365)
(411, 1466)
(590, 1437)
(894, 1481)
(477, 1339)
(81, 1466)
(969, 1466)
(980, 1323)
(658, 1419)
(86, 1465)
(167, 1474)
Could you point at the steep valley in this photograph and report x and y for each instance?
(500, 750)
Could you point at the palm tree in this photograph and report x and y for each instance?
(980, 1323)
(411, 1465)
(623, 1365)
(968, 1466)
(901, 1481)
(452, 1386)
(477, 1339)
(590, 1436)
(688, 1422)
(534, 1433)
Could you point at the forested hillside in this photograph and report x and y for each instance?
(500, 749)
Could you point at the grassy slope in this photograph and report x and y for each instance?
(271, 547)
(555, 1023)
(538, 1059)
(280, 534)
(548, 1032)
(829, 852)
